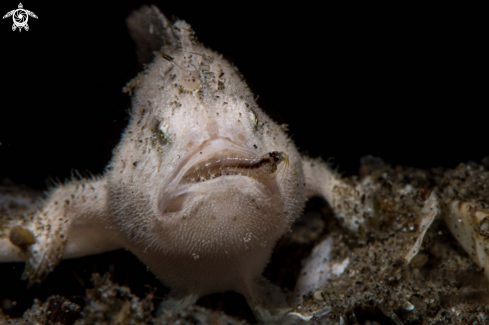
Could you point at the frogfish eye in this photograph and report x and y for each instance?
(275, 155)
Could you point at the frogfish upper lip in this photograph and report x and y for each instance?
(210, 156)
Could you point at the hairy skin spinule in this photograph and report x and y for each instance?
(200, 187)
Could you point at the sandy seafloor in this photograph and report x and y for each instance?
(441, 284)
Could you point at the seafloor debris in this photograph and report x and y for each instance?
(16, 201)
(108, 303)
(56, 310)
(405, 267)
(466, 209)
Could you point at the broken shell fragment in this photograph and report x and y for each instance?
(21, 236)
(430, 210)
(307, 315)
(317, 269)
(318, 295)
(408, 306)
(468, 223)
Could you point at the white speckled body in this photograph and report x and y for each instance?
(205, 110)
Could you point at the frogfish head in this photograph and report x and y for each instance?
(200, 164)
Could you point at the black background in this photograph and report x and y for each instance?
(405, 84)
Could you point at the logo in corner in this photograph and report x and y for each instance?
(20, 17)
